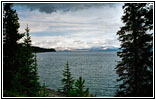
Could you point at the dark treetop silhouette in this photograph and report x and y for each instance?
(19, 64)
(136, 68)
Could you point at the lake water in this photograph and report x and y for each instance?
(97, 68)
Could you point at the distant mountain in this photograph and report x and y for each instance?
(39, 49)
(106, 48)
(112, 49)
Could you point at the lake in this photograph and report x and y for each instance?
(97, 68)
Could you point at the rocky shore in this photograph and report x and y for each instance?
(53, 93)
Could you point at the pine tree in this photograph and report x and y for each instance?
(67, 80)
(79, 90)
(19, 64)
(43, 92)
(11, 58)
(29, 77)
(135, 69)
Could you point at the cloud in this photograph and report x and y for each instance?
(67, 43)
(65, 7)
(92, 26)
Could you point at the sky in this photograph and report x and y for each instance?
(70, 26)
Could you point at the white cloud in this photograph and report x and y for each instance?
(95, 26)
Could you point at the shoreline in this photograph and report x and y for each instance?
(54, 93)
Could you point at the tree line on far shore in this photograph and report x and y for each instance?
(135, 70)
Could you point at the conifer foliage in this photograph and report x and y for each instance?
(79, 90)
(79, 84)
(135, 69)
(11, 50)
(29, 69)
(67, 80)
(19, 64)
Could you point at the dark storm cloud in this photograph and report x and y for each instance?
(53, 7)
